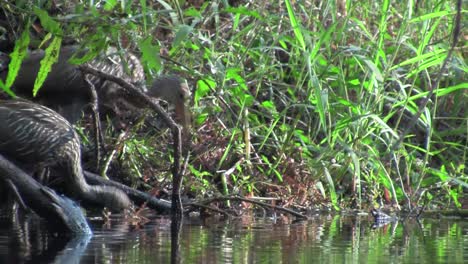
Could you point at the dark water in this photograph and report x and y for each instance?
(322, 239)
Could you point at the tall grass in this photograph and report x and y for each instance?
(296, 100)
(335, 92)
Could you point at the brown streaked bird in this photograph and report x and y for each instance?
(66, 91)
(168, 88)
(34, 134)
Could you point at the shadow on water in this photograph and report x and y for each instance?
(322, 239)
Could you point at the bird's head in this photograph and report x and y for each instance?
(176, 93)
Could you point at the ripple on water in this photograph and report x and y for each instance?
(327, 239)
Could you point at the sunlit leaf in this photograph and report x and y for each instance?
(243, 11)
(295, 25)
(419, 58)
(302, 136)
(201, 118)
(50, 57)
(430, 16)
(47, 22)
(269, 105)
(374, 69)
(88, 56)
(182, 34)
(19, 52)
(331, 188)
(144, 11)
(150, 54)
(192, 12)
(203, 88)
(110, 4)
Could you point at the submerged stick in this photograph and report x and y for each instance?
(242, 199)
(136, 196)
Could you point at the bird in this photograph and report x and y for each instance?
(66, 91)
(34, 134)
(169, 88)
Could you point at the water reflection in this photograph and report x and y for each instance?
(24, 240)
(322, 239)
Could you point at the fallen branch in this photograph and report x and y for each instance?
(136, 196)
(203, 206)
(252, 201)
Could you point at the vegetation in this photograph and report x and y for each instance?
(315, 103)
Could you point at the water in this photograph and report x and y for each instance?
(322, 239)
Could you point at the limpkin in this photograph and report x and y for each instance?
(34, 134)
(65, 89)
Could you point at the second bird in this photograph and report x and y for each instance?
(66, 91)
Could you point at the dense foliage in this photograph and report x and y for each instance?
(315, 103)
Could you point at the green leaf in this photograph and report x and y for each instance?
(377, 74)
(47, 22)
(4, 87)
(322, 99)
(448, 90)
(204, 86)
(248, 99)
(88, 56)
(438, 92)
(192, 12)
(236, 22)
(150, 54)
(295, 25)
(324, 38)
(110, 4)
(319, 186)
(144, 11)
(454, 195)
(441, 174)
(302, 136)
(181, 34)
(172, 13)
(201, 118)
(420, 58)
(429, 16)
(331, 188)
(20, 51)
(269, 105)
(51, 57)
(96, 46)
(243, 11)
(233, 74)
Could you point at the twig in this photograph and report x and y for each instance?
(209, 208)
(137, 196)
(433, 85)
(98, 135)
(108, 160)
(242, 199)
(176, 131)
(133, 91)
